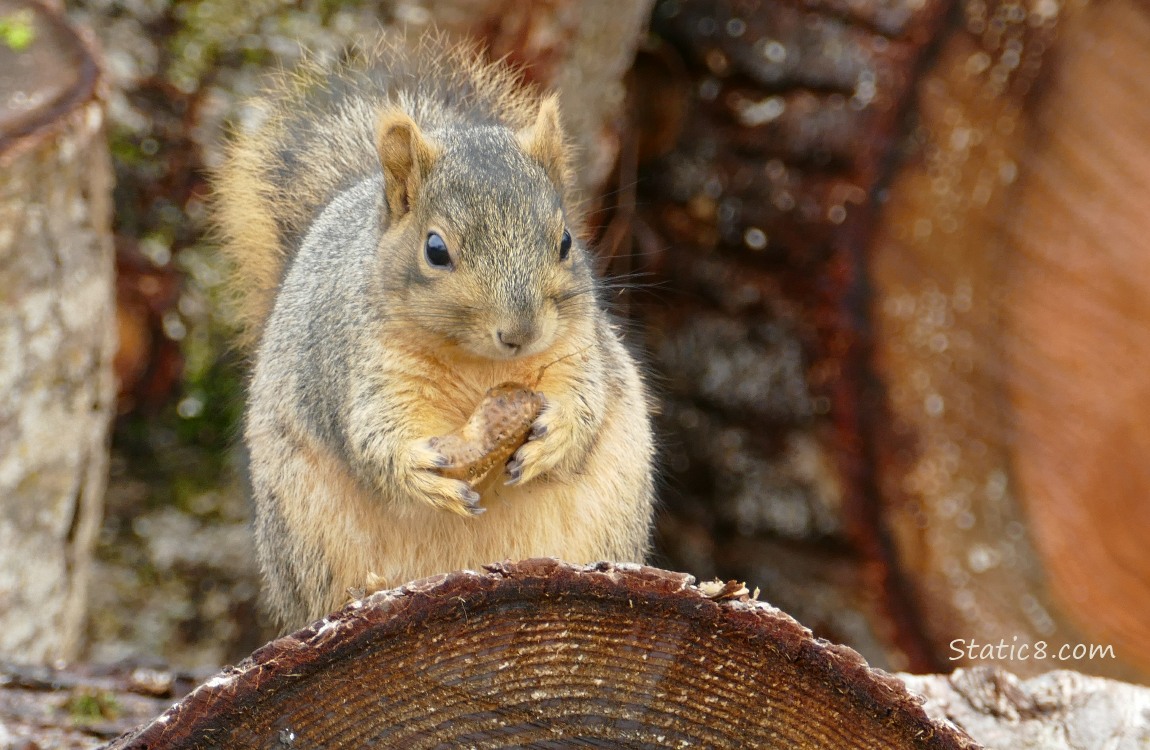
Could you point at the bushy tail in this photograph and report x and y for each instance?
(249, 225)
(312, 134)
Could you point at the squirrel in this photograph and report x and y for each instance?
(403, 236)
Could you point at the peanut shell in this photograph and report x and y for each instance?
(494, 431)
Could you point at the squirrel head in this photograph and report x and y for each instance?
(477, 240)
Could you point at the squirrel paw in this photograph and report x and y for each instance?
(442, 492)
(544, 450)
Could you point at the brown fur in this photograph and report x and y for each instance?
(366, 350)
(406, 158)
(544, 141)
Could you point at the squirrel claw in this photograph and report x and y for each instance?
(471, 500)
(514, 470)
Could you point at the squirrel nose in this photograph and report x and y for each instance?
(513, 339)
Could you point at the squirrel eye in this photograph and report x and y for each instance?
(565, 245)
(435, 250)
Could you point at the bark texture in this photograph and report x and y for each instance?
(56, 334)
(1055, 711)
(771, 141)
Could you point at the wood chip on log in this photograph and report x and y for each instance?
(546, 654)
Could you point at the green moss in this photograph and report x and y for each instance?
(209, 28)
(17, 31)
(125, 149)
(86, 706)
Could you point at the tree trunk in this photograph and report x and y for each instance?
(56, 332)
(756, 209)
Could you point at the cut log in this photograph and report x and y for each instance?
(1011, 272)
(544, 654)
(902, 319)
(81, 708)
(56, 330)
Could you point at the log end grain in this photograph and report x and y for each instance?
(545, 654)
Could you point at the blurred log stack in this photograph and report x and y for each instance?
(902, 258)
(56, 329)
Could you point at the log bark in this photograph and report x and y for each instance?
(56, 333)
(544, 654)
(754, 219)
(1059, 710)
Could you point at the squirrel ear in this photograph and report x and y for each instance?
(406, 157)
(544, 142)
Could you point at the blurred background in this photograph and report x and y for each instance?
(888, 261)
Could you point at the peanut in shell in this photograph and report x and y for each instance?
(493, 432)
